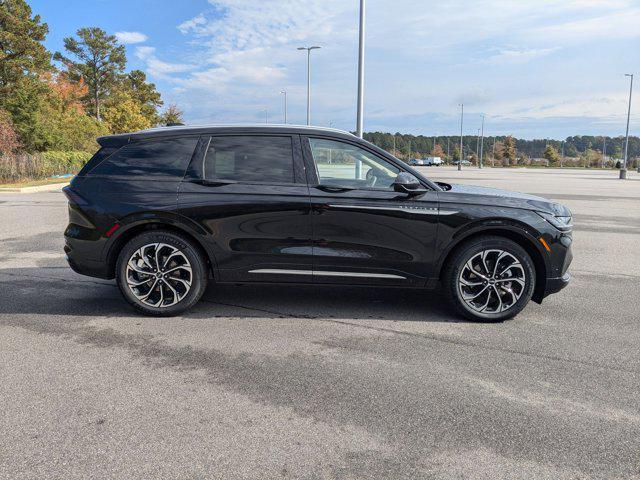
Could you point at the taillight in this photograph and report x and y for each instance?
(74, 197)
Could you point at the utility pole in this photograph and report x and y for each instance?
(562, 156)
(461, 147)
(481, 142)
(284, 92)
(360, 116)
(478, 147)
(623, 170)
(394, 146)
(604, 150)
(448, 150)
(308, 49)
(266, 115)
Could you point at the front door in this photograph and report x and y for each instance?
(249, 193)
(364, 231)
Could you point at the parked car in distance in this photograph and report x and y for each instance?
(432, 161)
(464, 162)
(417, 162)
(167, 211)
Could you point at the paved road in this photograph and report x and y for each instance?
(297, 382)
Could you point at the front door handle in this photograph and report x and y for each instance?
(334, 188)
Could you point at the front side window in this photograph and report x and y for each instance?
(344, 165)
(158, 158)
(246, 158)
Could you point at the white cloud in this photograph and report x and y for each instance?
(193, 25)
(515, 55)
(157, 67)
(131, 37)
(145, 52)
(613, 25)
(499, 56)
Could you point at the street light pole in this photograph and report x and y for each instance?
(284, 92)
(308, 49)
(266, 115)
(481, 143)
(461, 147)
(623, 170)
(478, 146)
(360, 115)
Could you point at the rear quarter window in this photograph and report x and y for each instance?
(167, 158)
(98, 157)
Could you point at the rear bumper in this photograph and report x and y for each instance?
(84, 266)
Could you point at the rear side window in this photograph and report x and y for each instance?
(160, 158)
(249, 159)
(98, 157)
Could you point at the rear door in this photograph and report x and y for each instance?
(135, 182)
(249, 193)
(364, 231)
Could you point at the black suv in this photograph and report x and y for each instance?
(166, 210)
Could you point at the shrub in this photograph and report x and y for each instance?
(15, 168)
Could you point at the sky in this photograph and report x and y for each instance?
(534, 68)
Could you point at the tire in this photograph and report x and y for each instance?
(508, 286)
(173, 292)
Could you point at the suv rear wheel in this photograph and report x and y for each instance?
(489, 279)
(161, 273)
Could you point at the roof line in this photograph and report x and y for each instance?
(241, 125)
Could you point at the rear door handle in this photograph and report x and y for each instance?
(214, 183)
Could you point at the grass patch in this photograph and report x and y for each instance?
(35, 183)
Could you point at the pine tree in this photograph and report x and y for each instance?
(21, 50)
(145, 93)
(100, 61)
(551, 154)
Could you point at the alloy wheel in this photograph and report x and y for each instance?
(159, 275)
(491, 281)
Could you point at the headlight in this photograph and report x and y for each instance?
(561, 223)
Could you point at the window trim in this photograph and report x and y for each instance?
(195, 172)
(314, 181)
(146, 177)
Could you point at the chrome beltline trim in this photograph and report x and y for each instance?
(416, 210)
(324, 273)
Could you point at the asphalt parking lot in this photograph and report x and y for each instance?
(297, 382)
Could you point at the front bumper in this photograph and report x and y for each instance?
(554, 285)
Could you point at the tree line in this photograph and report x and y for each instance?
(580, 150)
(62, 101)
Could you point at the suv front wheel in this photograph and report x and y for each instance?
(489, 279)
(161, 273)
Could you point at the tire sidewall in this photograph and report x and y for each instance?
(468, 251)
(198, 267)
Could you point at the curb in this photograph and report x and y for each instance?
(52, 187)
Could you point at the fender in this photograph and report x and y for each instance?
(146, 219)
(486, 225)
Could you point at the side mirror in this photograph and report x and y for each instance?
(407, 183)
